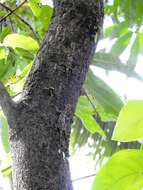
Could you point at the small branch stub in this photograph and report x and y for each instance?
(7, 104)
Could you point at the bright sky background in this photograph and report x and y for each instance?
(45, 2)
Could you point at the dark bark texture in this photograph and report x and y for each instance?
(40, 131)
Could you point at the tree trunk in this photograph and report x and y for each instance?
(40, 122)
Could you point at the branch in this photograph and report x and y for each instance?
(22, 20)
(85, 177)
(13, 11)
(8, 106)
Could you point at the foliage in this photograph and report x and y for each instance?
(130, 122)
(124, 169)
(20, 41)
(85, 112)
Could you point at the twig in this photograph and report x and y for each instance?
(85, 177)
(22, 20)
(13, 11)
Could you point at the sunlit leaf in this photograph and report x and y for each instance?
(2, 53)
(123, 171)
(40, 10)
(129, 126)
(20, 41)
(140, 39)
(35, 7)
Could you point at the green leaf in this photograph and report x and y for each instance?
(105, 97)
(3, 67)
(8, 67)
(123, 171)
(35, 7)
(129, 126)
(2, 53)
(116, 30)
(84, 105)
(7, 171)
(40, 10)
(85, 112)
(140, 41)
(121, 43)
(116, 3)
(134, 52)
(15, 84)
(42, 16)
(4, 32)
(109, 9)
(20, 41)
(4, 132)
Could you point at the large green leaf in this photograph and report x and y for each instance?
(129, 126)
(105, 97)
(20, 41)
(85, 112)
(123, 171)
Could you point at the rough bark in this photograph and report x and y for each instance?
(40, 131)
